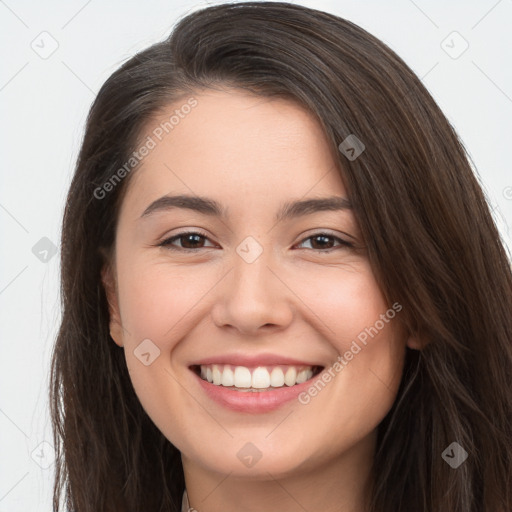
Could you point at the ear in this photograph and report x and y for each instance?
(416, 342)
(109, 283)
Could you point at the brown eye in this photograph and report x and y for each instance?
(189, 241)
(324, 242)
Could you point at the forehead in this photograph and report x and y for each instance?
(236, 147)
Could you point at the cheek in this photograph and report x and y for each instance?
(347, 305)
(359, 390)
(157, 299)
(344, 300)
(158, 305)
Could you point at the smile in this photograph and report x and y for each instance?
(261, 378)
(253, 389)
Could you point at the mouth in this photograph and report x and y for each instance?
(256, 379)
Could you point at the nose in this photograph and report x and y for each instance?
(253, 297)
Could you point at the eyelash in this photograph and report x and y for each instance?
(167, 242)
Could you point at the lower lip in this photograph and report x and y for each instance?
(253, 401)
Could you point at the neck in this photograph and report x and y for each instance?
(339, 484)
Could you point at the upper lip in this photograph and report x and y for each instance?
(254, 360)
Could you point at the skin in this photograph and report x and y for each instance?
(251, 154)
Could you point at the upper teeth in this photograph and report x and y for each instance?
(258, 378)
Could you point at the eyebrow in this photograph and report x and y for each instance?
(210, 207)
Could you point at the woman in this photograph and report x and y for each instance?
(282, 285)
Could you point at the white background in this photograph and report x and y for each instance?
(44, 103)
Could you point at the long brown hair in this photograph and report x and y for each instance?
(430, 236)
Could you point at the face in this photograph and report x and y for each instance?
(252, 294)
